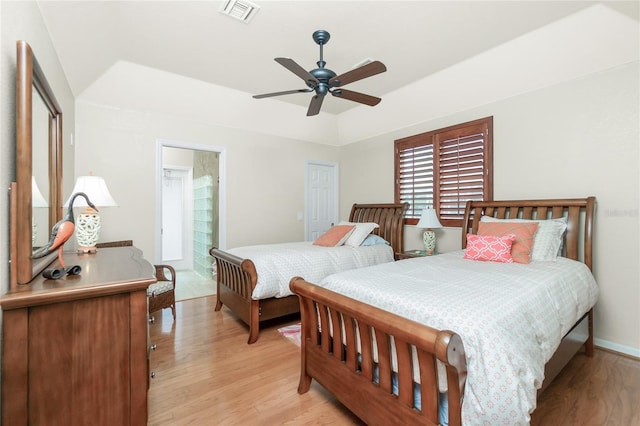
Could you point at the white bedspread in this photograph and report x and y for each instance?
(276, 264)
(511, 318)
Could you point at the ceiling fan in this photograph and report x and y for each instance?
(322, 80)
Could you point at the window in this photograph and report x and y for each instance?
(445, 168)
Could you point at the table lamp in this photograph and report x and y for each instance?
(88, 222)
(429, 221)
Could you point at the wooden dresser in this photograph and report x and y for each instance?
(75, 350)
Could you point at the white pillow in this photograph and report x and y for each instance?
(373, 239)
(547, 242)
(359, 233)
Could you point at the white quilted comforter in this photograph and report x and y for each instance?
(276, 264)
(511, 318)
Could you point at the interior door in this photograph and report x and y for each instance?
(321, 198)
(177, 206)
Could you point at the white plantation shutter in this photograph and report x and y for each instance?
(445, 168)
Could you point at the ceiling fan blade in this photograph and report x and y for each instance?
(356, 97)
(372, 68)
(315, 105)
(286, 92)
(293, 66)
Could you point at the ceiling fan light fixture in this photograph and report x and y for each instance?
(241, 10)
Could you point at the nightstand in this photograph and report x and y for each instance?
(410, 254)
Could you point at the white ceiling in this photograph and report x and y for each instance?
(414, 39)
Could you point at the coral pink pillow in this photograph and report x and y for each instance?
(489, 248)
(524, 232)
(335, 236)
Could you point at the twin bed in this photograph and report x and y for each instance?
(253, 282)
(445, 339)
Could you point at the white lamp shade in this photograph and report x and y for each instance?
(96, 189)
(429, 219)
(37, 199)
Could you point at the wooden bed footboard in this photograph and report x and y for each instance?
(348, 371)
(235, 279)
(368, 350)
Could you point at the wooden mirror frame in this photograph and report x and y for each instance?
(29, 76)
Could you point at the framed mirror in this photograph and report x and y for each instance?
(39, 161)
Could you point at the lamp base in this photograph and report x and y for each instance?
(87, 230)
(429, 239)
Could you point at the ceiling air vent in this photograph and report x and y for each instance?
(241, 10)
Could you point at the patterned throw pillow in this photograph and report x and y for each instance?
(489, 248)
(524, 232)
(335, 236)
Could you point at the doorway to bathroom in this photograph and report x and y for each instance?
(189, 192)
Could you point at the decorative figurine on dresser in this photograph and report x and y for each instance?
(60, 234)
(75, 351)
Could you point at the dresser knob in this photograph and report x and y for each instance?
(153, 374)
(153, 347)
(152, 320)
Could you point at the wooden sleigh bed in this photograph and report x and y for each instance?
(364, 382)
(237, 277)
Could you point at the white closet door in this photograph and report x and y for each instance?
(322, 198)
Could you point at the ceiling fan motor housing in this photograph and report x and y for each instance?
(323, 75)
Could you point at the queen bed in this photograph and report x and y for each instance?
(447, 339)
(253, 281)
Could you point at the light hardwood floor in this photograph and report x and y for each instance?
(190, 285)
(206, 374)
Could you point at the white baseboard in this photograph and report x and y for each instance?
(627, 350)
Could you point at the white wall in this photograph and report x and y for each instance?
(23, 21)
(574, 139)
(592, 40)
(264, 180)
(134, 87)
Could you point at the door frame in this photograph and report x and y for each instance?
(336, 195)
(222, 188)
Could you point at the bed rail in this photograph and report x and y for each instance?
(357, 359)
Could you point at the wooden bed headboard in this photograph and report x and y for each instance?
(389, 216)
(578, 211)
